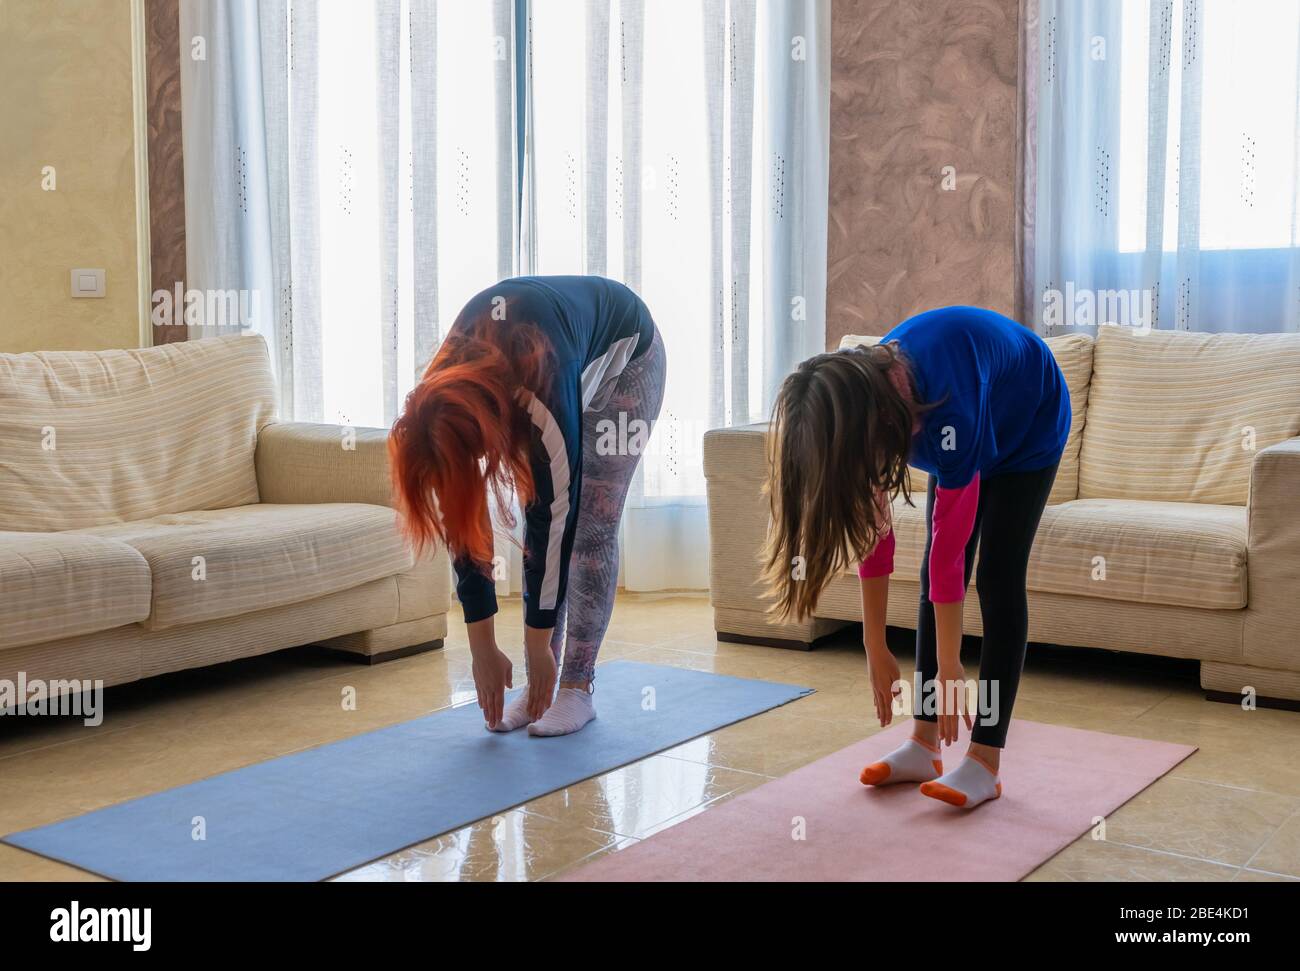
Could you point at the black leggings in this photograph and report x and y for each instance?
(1010, 506)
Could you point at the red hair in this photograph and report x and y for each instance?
(464, 434)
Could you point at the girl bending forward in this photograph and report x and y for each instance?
(514, 403)
(978, 402)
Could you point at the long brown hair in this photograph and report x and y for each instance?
(464, 435)
(838, 444)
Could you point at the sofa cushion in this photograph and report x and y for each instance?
(88, 438)
(56, 585)
(1179, 417)
(227, 562)
(1172, 553)
(1073, 353)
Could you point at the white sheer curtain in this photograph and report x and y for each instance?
(351, 165)
(356, 166)
(1167, 169)
(681, 146)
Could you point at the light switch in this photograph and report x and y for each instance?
(88, 283)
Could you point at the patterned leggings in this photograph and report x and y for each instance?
(593, 565)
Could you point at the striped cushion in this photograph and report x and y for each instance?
(55, 585)
(1073, 353)
(1169, 413)
(909, 536)
(260, 556)
(1175, 553)
(88, 438)
(1171, 553)
(858, 340)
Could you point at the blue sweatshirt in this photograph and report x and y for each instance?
(1004, 405)
(595, 327)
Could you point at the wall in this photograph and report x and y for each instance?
(66, 101)
(916, 87)
(166, 157)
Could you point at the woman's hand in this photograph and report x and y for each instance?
(493, 674)
(885, 686)
(542, 671)
(883, 668)
(950, 701)
(541, 682)
(950, 689)
(492, 670)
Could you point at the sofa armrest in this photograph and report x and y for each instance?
(736, 471)
(1271, 637)
(302, 462)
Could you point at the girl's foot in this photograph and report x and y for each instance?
(913, 761)
(966, 786)
(515, 713)
(570, 711)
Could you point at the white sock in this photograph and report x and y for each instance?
(515, 714)
(913, 761)
(571, 709)
(968, 785)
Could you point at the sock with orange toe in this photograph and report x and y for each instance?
(913, 761)
(968, 785)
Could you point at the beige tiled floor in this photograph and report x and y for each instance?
(1230, 812)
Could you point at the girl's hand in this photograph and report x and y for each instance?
(541, 679)
(950, 701)
(493, 674)
(885, 686)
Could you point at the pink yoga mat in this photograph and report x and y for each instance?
(1055, 781)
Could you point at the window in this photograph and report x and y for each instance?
(1248, 118)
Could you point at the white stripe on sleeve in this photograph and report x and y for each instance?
(553, 442)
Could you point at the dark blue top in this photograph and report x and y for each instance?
(1004, 402)
(595, 327)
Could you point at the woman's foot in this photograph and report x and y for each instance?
(916, 760)
(968, 785)
(515, 714)
(570, 711)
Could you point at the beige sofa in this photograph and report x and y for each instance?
(154, 516)
(1173, 528)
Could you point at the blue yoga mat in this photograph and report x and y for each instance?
(317, 813)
